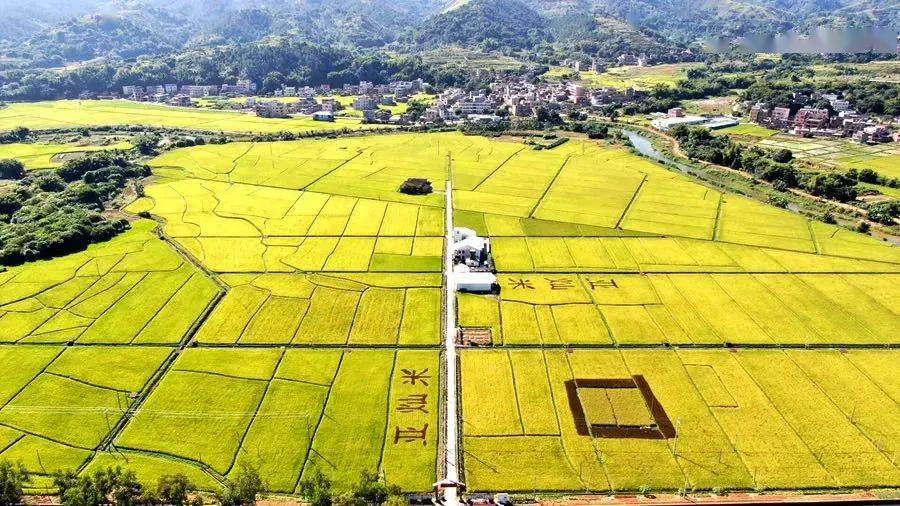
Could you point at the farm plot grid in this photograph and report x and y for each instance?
(739, 420)
(841, 153)
(535, 309)
(310, 341)
(598, 249)
(289, 319)
(583, 189)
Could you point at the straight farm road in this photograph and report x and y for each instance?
(452, 414)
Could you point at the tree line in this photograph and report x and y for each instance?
(114, 486)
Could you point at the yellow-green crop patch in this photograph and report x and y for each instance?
(686, 309)
(49, 156)
(250, 228)
(749, 129)
(134, 289)
(288, 412)
(629, 76)
(89, 113)
(366, 309)
(754, 418)
(59, 404)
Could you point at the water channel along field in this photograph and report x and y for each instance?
(283, 309)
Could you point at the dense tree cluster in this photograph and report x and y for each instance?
(272, 63)
(506, 25)
(127, 35)
(51, 213)
(884, 212)
(318, 490)
(700, 83)
(115, 486)
(13, 480)
(17, 134)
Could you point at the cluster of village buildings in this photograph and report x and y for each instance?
(519, 97)
(807, 121)
(174, 94)
(512, 96)
(599, 65)
(320, 102)
(838, 121)
(516, 96)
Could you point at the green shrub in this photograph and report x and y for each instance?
(13, 479)
(243, 489)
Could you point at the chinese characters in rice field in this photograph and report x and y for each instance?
(413, 403)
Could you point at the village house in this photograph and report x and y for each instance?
(365, 103)
(809, 118)
(323, 116)
(273, 109)
(199, 91)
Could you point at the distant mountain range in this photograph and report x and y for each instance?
(56, 32)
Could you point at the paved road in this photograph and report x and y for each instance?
(452, 435)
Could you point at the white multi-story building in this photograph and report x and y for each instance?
(197, 91)
(365, 103)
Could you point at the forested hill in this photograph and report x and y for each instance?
(48, 33)
(483, 24)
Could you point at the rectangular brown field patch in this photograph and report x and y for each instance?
(617, 408)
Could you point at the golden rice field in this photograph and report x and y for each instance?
(51, 155)
(749, 419)
(284, 310)
(92, 113)
(629, 76)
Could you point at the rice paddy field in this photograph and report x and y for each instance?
(749, 129)
(51, 155)
(283, 309)
(91, 113)
(630, 76)
(748, 419)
